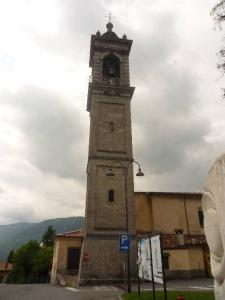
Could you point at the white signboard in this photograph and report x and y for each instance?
(144, 260)
(157, 259)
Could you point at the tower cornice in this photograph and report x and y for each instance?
(114, 90)
(104, 43)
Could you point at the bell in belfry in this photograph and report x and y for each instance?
(112, 70)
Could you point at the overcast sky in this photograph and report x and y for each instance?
(177, 109)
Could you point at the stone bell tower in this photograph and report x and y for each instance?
(110, 146)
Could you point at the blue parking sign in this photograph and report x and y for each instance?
(124, 239)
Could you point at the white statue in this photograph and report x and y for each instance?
(213, 204)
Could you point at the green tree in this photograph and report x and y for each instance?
(44, 261)
(24, 261)
(31, 263)
(48, 236)
(218, 14)
(10, 256)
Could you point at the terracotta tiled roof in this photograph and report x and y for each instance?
(195, 239)
(76, 233)
(170, 240)
(5, 267)
(181, 194)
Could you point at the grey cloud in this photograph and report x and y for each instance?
(80, 19)
(169, 133)
(169, 125)
(154, 47)
(19, 173)
(54, 131)
(28, 193)
(166, 141)
(192, 175)
(167, 128)
(19, 214)
(82, 15)
(166, 92)
(14, 210)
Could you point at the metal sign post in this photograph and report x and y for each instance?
(138, 278)
(124, 245)
(163, 271)
(153, 281)
(138, 266)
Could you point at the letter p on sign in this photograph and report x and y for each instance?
(124, 242)
(124, 238)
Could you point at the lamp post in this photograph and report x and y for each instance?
(109, 172)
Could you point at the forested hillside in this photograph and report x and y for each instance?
(14, 235)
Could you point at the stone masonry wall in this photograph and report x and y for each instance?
(105, 262)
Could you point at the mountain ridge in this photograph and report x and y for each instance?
(14, 235)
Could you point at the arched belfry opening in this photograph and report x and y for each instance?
(111, 67)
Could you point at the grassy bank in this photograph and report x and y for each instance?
(171, 295)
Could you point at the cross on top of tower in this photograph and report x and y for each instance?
(109, 25)
(110, 17)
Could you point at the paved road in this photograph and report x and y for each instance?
(49, 292)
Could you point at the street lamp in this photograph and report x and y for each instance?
(109, 172)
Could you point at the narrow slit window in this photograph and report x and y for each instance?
(201, 217)
(111, 126)
(111, 196)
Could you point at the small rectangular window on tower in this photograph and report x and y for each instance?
(111, 196)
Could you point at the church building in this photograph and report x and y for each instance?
(112, 207)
